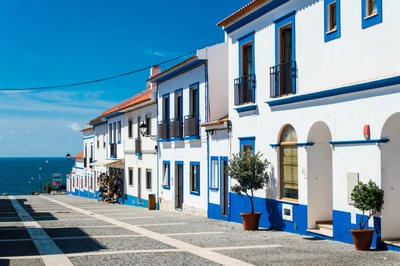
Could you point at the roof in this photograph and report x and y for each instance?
(138, 98)
(215, 122)
(86, 129)
(184, 66)
(244, 10)
(96, 120)
(79, 156)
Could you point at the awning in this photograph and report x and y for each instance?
(114, 163)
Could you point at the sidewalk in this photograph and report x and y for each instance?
(68, 230)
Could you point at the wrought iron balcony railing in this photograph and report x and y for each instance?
(283, 79)
(176, 128)
(163, 130)
(191, 125)
(245, 88)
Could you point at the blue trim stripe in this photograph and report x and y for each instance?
(255, 15)
(181, 69)
(335, 92)
(355, 142)
(246, 108)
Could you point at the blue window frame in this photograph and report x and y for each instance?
(110, 133)
(214, 173)
(331, 19)
(163, 125)
(194, 181)
(284, 74)
(247, 143)
(371, 13)
(119, 132)
(166, 175)
(245, 85)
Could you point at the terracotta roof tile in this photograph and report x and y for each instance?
(79, 156)
(244, 10)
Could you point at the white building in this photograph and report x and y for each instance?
(183, 105)
(77, 173)
(305, 78)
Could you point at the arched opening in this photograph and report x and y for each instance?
(319, 180)
(390, 178)
(288, 161)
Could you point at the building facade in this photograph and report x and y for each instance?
(312, 91)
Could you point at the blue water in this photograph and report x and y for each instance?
(20, 176)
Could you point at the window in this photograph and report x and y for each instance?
(148, 123)
(245, 85)
(371, 13)
(192, 119)
(289, 164)
(163, 125)
(194, 100)
(166, 174)
(138, 127)
(110, 133)
(98, 142)
(284, 74)
(214, 173)
(130, 176)
(247, 143)
(119, 132)
(331, 19)
(148, 179)
(115, 133)
(104, 140)
(194, 178)
(130, 125)
(177, 122)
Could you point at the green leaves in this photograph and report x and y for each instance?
(367, 197)
(249, 170)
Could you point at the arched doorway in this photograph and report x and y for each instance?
(390, 177)
(319, 180)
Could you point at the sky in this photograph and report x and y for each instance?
(53, 42)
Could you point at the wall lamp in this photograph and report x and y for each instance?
(143, 132)
(68, 156)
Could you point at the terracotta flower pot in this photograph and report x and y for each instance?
(250, 220)
(362, 238)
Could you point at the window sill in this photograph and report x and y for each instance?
(177, 139)
(252, 107)
(213, 188)
(373, 14)
(191, 137)
(194, 193)
(166, 187)
(287, 200)
(331, 31)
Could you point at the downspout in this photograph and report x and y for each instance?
(208, 134)
(157, 156)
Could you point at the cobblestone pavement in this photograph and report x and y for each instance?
(68, 230)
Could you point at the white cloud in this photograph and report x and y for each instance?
(28, 131)
(162, 53)
(12, 132)
(74, 126)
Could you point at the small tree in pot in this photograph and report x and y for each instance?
(369, 198)
(249, 170)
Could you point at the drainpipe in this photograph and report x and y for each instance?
(208, 134)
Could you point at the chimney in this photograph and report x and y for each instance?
(154, 70)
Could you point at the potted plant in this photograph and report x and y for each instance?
(367, 197)
(249, 170)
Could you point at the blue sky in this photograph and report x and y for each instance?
(54, 42)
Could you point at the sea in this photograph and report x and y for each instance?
(21, 176)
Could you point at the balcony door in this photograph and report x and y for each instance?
(178, 186)
(285, 61)
(246, 93)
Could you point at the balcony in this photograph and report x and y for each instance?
(283, 79)
(163, 130)
(245, 89)
(113, 150)
(138, 146)
(191, 125)
(176, 128)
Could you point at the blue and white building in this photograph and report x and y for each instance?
(315, 85)
(184, 104)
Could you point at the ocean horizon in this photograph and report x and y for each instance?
(22, 175)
